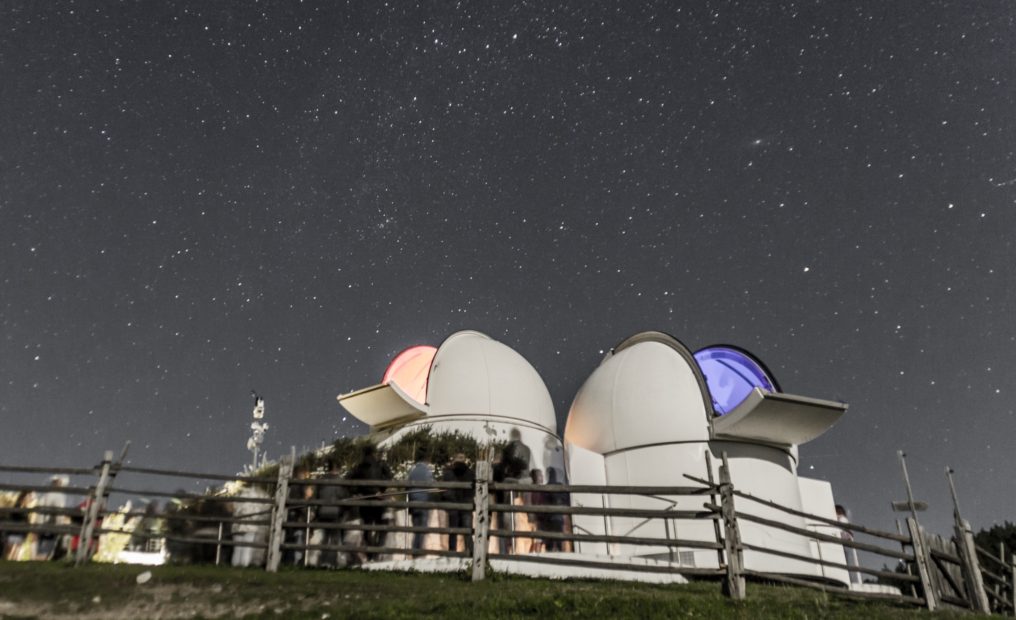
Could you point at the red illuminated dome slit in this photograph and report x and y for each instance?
(410, 369)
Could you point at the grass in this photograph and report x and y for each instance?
(55, 590)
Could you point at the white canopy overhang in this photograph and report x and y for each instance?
(778, 418)
(382, 405)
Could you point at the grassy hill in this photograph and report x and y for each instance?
(54, 590)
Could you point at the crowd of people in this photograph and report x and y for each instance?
(328, 523)
(46, 525)
(39, 510)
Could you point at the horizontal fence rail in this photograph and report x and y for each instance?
(334, 521)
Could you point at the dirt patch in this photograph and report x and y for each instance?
(156, 601)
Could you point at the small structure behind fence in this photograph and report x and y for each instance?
(282, 525)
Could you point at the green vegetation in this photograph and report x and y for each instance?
(990, 539)
(54, 590)
(346, 452)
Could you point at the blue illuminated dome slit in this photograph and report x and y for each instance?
(731, 375)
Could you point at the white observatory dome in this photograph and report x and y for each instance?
(473, 374)
(648, 390)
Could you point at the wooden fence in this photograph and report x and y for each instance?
(281, 521)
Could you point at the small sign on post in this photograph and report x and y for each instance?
(907, 506)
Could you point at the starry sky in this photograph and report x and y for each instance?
(200, 199)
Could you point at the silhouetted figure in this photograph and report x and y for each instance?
(551, 521)
(371, 467)
(516, 457)
(504, 519)
(48, 504)
(459, 471)
(148, 532)
(330, 514)
(14, 540)
(843, 516)
(297, 512)
(423, 473)
(553, 457)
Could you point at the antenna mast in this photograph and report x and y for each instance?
(257, 428)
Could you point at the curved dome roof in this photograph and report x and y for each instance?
(649, 390)
(475, 374)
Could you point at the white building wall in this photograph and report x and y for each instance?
(765, 472)
(587, 467)
(817, 499)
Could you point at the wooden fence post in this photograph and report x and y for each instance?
(734, 583)
(94, 508)
(717, 530)
(1000, 587)
(923, 562)
(971, 567)
(1012, 581)
(481, 519)
(277, 533)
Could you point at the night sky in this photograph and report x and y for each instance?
(198, 200)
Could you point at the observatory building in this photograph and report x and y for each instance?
(652, 412)
(471, 384)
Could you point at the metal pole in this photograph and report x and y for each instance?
(607, 526)
(306, 538)
(511, 525)
(218, 546)
(670, 548)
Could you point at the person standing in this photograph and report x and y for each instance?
(12, 543)
(553, 521)
(51, 504)
(843, 516)
(459, 471)
(423, 473)
(330, 515)
(516, 457)
(297, 512)
(371, 467)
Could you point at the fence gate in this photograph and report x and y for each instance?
(946, 570)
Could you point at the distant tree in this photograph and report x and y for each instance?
(900, 569)
(989, 539)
